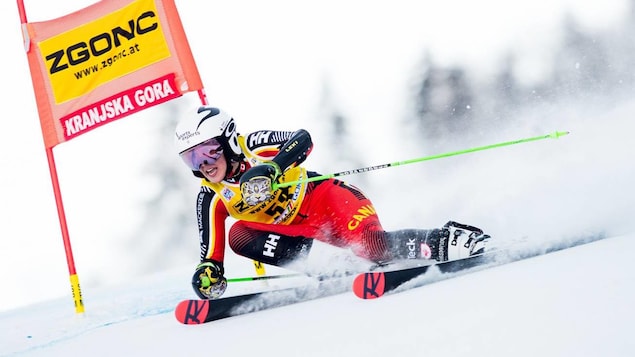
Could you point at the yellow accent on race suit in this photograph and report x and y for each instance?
(364, 212)
(281, 208)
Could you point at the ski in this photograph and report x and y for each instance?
(197, 311)
(375, 284)
(367, 285)
(372, 285)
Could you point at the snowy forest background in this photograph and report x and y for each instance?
(447, 107)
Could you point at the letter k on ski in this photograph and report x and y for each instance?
(371, 284)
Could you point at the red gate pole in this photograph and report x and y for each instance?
(74, 279)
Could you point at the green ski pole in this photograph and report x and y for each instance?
(263, 277)
(554, 135)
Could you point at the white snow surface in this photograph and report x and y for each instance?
(574, 302)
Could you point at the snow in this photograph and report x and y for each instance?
(576, 301)
(573, 302)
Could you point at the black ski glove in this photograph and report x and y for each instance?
(208, 280)
(256, 185)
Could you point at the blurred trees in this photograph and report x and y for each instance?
(167, 234)
(586, 64)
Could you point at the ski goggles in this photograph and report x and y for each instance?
(207, 152)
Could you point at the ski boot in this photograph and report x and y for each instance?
(452, 241)
(461, 241)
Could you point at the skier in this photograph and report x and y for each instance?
(277, 227)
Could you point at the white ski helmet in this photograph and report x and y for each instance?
(204, 123)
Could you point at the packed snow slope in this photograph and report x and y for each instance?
(575, 302)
